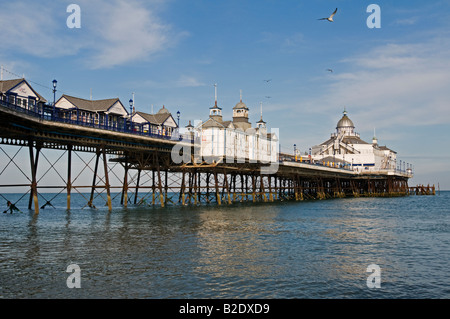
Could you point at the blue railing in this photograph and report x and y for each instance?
(50, 113)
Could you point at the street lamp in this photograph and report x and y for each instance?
(54, 95)
(131, 106)
(295, 152)
(178, 117)
(131, 113)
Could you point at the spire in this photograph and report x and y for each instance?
(345, 111)
(240, 91)
(215, 94)
(261, 123)
(261, 110)
(374, 139)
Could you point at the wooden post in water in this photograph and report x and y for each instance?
(97, 154)
(161, 195)
(137, 186)
(226, 186)
(217, 188)
(183, 186)
(33, 164)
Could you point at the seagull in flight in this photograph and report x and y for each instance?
(330, 18)
(268, 80)
(330, 70)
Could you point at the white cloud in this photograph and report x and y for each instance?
(35, 29)
(394, 85)
(112, 32)
(188, 81)
(128, 31)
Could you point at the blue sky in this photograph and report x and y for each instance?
(395, 79)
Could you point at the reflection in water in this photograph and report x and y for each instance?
(317, 249)
(234, 246)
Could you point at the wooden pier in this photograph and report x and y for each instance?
(148, 175)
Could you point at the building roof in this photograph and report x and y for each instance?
(91, 105)
(7, 85)
(240, 105)
(212, 123)
(353, 140)
(345, 122)
(158, 118)
(384, 148)
(190, 125)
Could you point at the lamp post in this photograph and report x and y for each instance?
(54, 96)
(131, 106)
(295, 152)
(131, 113)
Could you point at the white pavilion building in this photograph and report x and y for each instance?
(345, 147)
(236, 140)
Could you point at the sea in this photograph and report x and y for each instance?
(348, 248)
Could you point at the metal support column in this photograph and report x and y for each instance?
(108, 190)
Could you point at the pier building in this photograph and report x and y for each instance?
(236, 140)
(346, 148)
(19, 92)
(106, 112)
(161, 123)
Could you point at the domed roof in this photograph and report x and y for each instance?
(240, 105)
(163, 110)
(345, 121)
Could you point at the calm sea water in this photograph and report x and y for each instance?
(312, 249)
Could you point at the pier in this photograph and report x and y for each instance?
(150, 177)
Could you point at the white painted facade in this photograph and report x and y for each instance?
(227, 140)
(20, 93)
(345, 147)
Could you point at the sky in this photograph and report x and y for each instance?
(393, 80)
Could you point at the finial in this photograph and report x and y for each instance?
(345, 111)
(240, 94)
(215, 94)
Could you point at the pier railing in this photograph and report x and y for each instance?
(50, 113)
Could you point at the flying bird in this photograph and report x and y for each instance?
(330, 70)
(268, 80)
(330, 18)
